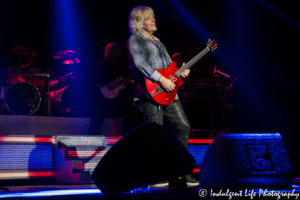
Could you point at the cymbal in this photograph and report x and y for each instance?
(55, 81)
(23, 50)
(72, 75)
(71, 61)
(63, 54)
(68, 62)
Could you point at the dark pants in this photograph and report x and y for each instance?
(174, 115)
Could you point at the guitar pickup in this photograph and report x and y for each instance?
(158, 89)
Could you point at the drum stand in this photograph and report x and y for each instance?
(48, 90)
(2, 107)
(48, 94)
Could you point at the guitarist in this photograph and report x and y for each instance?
(108, 70)
(146, 53)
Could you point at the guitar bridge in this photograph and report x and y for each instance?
(158, 89)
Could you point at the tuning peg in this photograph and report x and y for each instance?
(214, 48)
(208, 41)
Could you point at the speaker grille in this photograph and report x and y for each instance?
(198, 151)
(24, 157)
(84, 166)
(72, 153)
(71, 141)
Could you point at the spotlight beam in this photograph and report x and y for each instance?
(277, 12)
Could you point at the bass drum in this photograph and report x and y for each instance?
(22, 99)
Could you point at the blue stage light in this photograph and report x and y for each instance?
(279, 13)
(52, 193)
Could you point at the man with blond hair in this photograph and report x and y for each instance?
(146, 53)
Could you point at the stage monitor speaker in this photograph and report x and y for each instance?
(146, 155)
(243, 161)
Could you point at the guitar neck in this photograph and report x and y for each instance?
(123, 82)
(192, 61)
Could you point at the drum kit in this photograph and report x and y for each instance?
(27, 89)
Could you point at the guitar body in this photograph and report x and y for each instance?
(157, 92)
(112, 94)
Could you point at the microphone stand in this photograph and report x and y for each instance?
(227, 76)
(232, 82)
(215, 70)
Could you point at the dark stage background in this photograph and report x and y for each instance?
(257, 40)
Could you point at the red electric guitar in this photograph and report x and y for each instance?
(173, 73)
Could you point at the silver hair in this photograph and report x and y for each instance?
(137, 18)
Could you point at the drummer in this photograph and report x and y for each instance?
(32, 64)
(32, 61)
(22, 73)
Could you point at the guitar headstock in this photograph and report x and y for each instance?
(211, 44)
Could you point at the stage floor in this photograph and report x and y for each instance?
(90, 191)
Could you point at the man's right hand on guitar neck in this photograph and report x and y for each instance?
(167, 84)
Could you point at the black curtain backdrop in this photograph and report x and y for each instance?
(258, 40)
